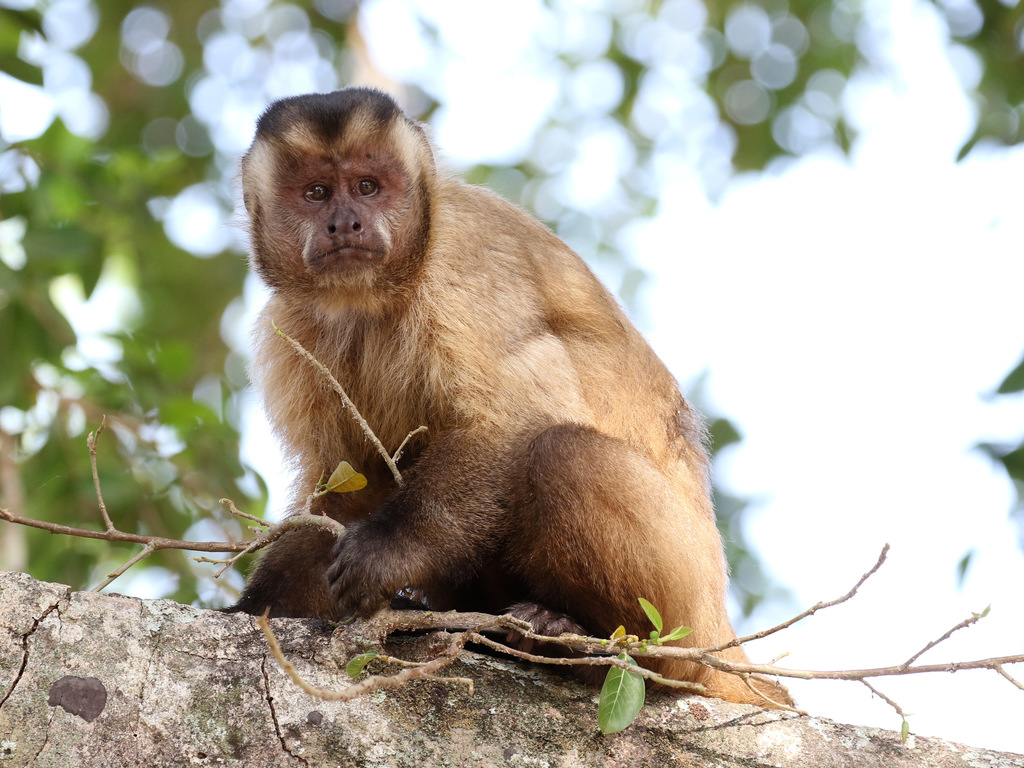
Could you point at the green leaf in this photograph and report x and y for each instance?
(905, 730)
(652, 614)
(356, 663)
(723, 433)
(622, 698)
(676, 634)
(619, 632)
(984, 613)
(962, 566)
(1014, 381)
(1011, 457)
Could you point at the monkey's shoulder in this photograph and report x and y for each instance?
(488, 223)
(498, 253)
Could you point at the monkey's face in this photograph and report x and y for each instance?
(336, 190)
(344, 212)
(332, 219)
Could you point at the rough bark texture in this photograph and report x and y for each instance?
(98, 680)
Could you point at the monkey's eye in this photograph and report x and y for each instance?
(317, 193)
(366, 187)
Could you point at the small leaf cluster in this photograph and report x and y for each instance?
(623, 693)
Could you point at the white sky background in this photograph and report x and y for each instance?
(877, 300)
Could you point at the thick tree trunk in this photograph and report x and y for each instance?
(97, 680)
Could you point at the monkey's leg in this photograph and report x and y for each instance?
(597, 525)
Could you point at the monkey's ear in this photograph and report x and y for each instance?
(247, 202)
(426, 158)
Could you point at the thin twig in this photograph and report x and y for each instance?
(91, 441)
(211, 561)
(232, 509)
(148, 550)
(388, 621)
(123, 537)
(962, 625)
(809, 612)
(855, 674)
(998, 668)
(748, 681)
(398, 453)
(153, 544)
(608, 661)
(373, 683)
(303, 352)
(278, 530)
(886, 699)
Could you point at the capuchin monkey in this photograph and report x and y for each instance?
(562, 475)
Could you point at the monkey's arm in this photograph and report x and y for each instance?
(289, 577)
(434, 532)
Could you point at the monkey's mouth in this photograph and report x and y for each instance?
(344, 257)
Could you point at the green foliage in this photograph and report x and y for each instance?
(652, 614)
(655, 618)
(1014, 381)
(1010, 456)
(623, 692)
(1012, 460)
(993, 32)
(14, 24)
(356, 664)
(101, 315)
(676, 634)
(622, 698)
(962, 567)
(767, 96)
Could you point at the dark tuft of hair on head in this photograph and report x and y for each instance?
(328, 114)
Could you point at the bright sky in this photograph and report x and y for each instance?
(856, 369)
(880, 303)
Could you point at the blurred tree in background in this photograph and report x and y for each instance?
(1011, 457)
(121, 277)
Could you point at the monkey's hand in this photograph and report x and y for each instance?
(359, 576)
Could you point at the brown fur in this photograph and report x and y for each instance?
(562, 468)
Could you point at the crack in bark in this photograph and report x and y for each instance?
(273, 714)
(46, 739)
(24, 651)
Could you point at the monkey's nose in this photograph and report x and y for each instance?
(344, 222)
(351, 227)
